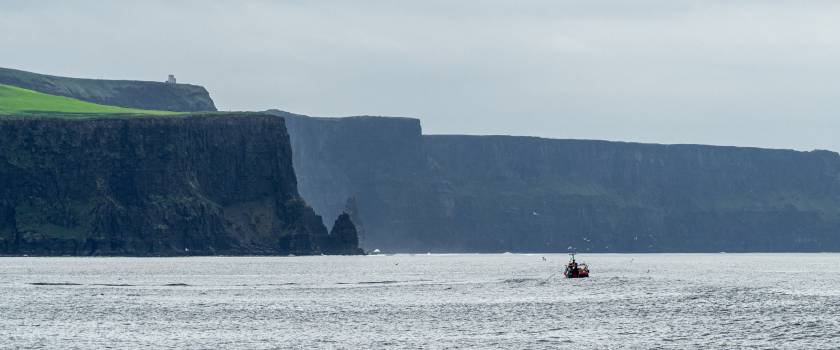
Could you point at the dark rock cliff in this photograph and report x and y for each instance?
(122, 93)
(501, 193)
(218, 184)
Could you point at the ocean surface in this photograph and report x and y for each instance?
(485, 301)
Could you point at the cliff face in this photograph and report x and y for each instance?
(122, 93)
(610, 196)
(152, 186)
(373, 168)
(489, 194)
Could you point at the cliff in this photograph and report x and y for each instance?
(204, 184)
(500, 193)
(612, 196)
(121, 93)
(375, 164)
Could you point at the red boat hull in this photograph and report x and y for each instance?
(579, 273)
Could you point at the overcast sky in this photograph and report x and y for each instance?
(748, 72)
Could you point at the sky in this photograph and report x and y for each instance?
(745, 73)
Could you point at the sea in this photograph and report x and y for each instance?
(428, 301)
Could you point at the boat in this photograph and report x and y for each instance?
(575, 270)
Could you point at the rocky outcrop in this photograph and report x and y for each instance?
(122, 93)
(343, 238)
(217, 184)
(418, 193)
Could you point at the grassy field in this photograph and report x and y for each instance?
(18, 101)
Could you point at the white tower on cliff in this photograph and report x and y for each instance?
(171, 79)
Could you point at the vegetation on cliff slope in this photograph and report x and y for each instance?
(151, 95)
(19, 101)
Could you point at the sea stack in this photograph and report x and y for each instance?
(343, 238)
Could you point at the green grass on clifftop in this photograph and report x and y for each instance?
(18, 101)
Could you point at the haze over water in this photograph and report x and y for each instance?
(422, 301)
